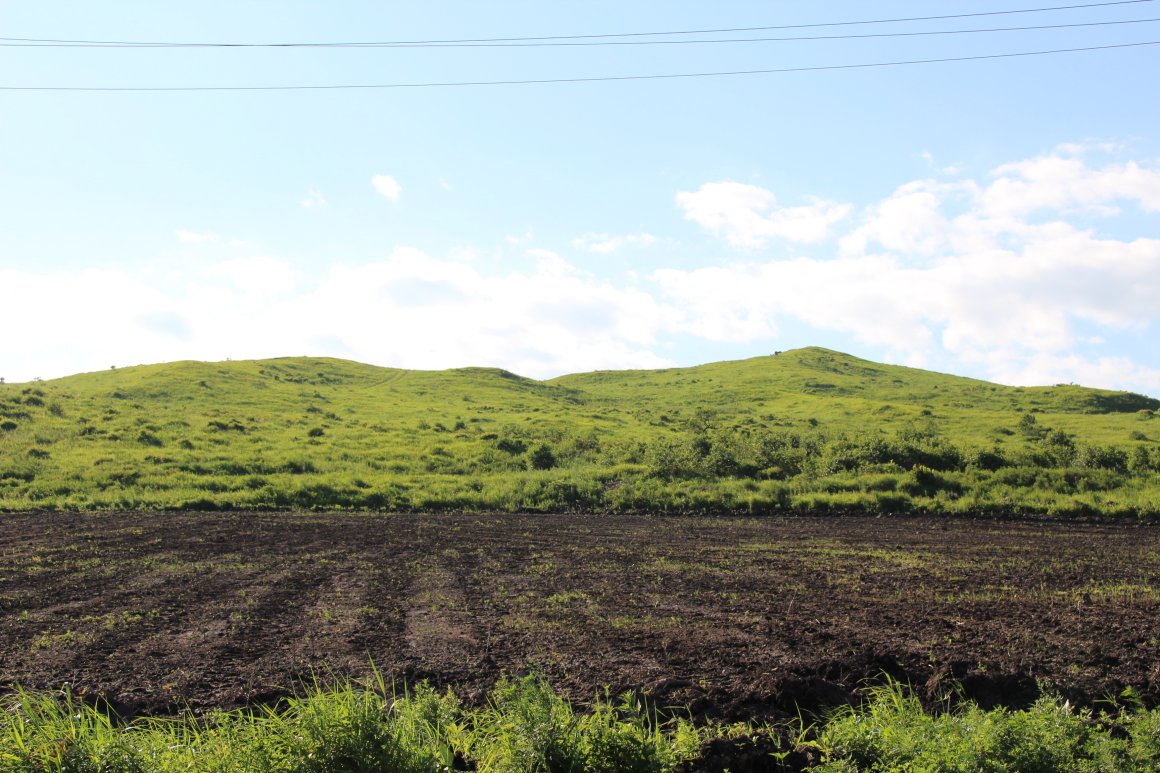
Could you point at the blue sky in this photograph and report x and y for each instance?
(996, 218)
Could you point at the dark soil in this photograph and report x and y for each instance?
(732, 618)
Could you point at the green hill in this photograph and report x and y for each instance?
(805, 429)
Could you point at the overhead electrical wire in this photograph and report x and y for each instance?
(593, 79)
(856, 36)
(12, 41)
(618, 39)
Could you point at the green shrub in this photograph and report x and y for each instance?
(147, 438)
(1144, 461)
(989, 460)
(1105, 458)
(542, 457)
(927, 483)
(1030, 428)
(513, 447)
(670, 459)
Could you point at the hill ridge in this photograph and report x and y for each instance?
(811, 357)
(804, 428)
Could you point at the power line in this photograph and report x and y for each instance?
(596, 79)
(463, 41)
(754, 40)
(856, 36)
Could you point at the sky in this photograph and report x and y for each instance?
(990, 217)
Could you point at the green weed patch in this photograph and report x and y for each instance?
(525, 726)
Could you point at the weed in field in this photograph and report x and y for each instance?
(68, 638)
(348, 728)
(528, 727)
(891, 731)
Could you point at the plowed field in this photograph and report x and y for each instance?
(734, 618)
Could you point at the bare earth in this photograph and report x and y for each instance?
(734, 618)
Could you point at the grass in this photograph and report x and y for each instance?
(892, 732)
(347, 727)
(526, 727)
(808, 429)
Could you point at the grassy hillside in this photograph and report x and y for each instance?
(808, 429)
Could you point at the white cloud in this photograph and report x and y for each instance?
(1105, 372)
(748, 216)
(957, 271)
(911, 220)
(387, 186)
(314, 199)
(950, 169)
(1058, 183)
(192, 237)
(743, 302)
(519, 239)
(261, 275)
(606, 244)
(409, 310)
(100, 318)
(540, 252)
(990, 309)
(552, 320)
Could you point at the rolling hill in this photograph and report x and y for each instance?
(808, 429)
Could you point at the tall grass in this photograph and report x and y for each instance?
(892, 732)
(528, 728)
(349, 729)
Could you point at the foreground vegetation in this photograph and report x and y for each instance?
(527, 727)
(892, 732)
(808, 429)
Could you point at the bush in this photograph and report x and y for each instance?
(932, 453)
(149, 439)
(1105, 458)
(1030, 428)
(989, 460)
(670, 459)
(1060, 447)
(542, 458)
(513, 447)
(298, 467)
(1143, 461)
(926, 482)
